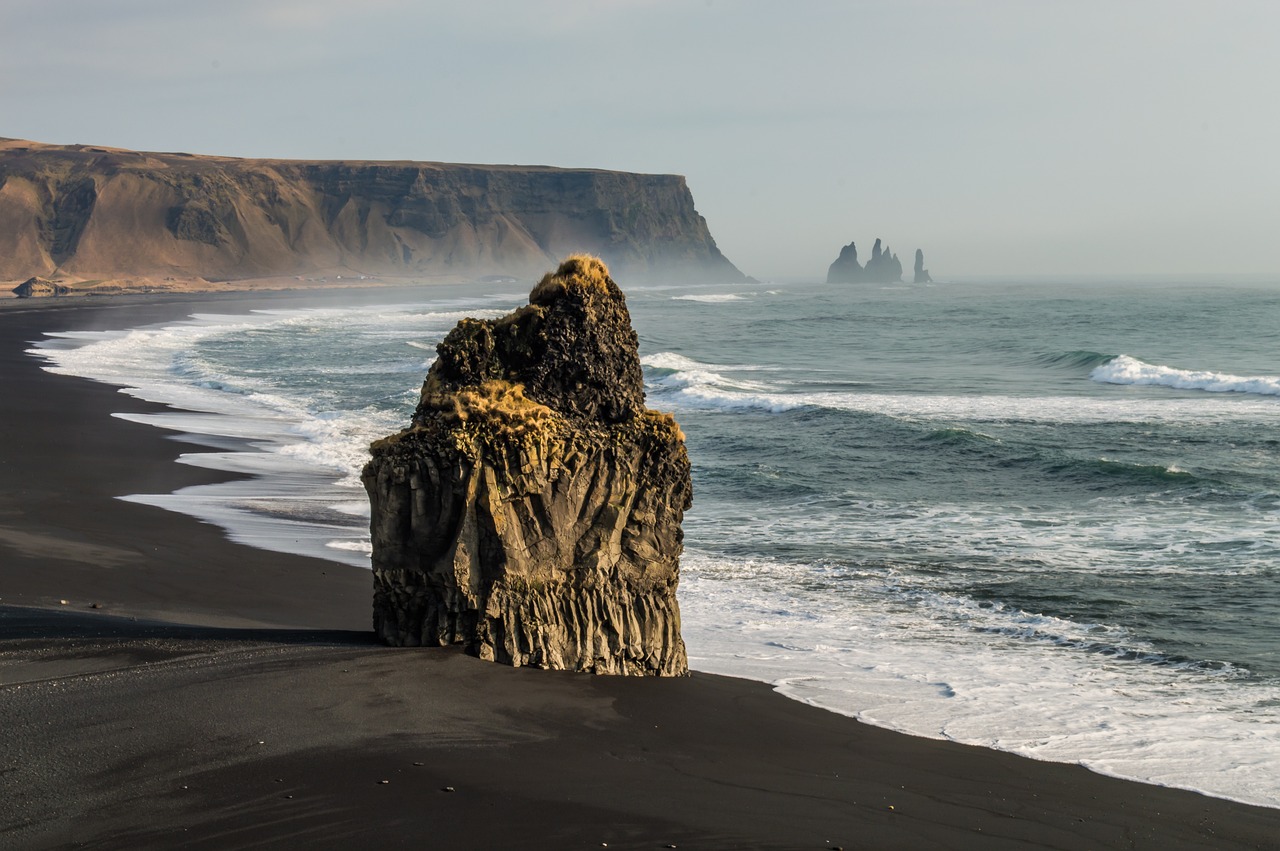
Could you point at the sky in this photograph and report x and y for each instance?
(1081, 138)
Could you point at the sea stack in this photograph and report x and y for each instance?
(922, 274)
(532, 510)
(845, 269)
(882, 268)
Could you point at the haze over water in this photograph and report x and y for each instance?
(1043, 519)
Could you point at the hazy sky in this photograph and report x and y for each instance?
(1002, 137)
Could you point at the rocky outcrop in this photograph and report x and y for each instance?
(921, 273)
(882, 268)
(531, 511)
(95, 213)
(39, 288)
(846, 268)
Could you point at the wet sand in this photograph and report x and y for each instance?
(220, 696)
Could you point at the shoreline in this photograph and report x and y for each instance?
(734, 764)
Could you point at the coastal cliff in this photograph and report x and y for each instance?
(532, 510)
(79, 213)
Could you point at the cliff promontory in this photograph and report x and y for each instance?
(78, 213)
(532, 510)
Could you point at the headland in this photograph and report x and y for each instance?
(103, 220)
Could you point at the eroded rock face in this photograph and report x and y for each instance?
(104, 213)
(532, 510)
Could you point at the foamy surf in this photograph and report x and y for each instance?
(712, 298)
(886, 648)
(276, 419)
(682, 382)
(1129, 370)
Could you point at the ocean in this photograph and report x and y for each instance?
(1033, 516)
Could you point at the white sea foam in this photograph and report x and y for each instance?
(712, 298)
(243, 511)
(696, 385)
(1129, 370)
(690, 376)
(365, 547)
(903, 655)
(1093, 538)
(305, 458)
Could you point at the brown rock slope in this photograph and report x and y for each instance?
(90, 212)
(532, 510)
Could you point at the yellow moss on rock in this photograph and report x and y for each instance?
(499, 407)
(664, 423)
(582, 271)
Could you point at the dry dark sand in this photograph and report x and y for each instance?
(226, 697)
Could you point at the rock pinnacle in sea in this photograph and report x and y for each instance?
(531, 511)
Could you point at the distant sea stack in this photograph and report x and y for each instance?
(882, 268)
(77, 213)
(921, 273)
(532, 510)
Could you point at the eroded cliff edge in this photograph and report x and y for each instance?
(532, 510)
(81, 212)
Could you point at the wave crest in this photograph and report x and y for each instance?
(1124, 369)
(1079, 359)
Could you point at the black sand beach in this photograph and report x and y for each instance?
(193, 692)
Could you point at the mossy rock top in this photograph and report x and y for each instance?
(572, 349)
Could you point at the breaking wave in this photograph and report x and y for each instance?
(682, 382)
(1124, 369)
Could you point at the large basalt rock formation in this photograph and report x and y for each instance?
(532, 510)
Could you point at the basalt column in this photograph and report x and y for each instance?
(531, 511)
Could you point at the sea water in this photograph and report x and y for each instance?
(1038, 517)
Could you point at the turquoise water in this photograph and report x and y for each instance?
(1044, 518)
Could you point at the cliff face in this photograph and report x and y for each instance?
(87, 212)
(532, 510)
